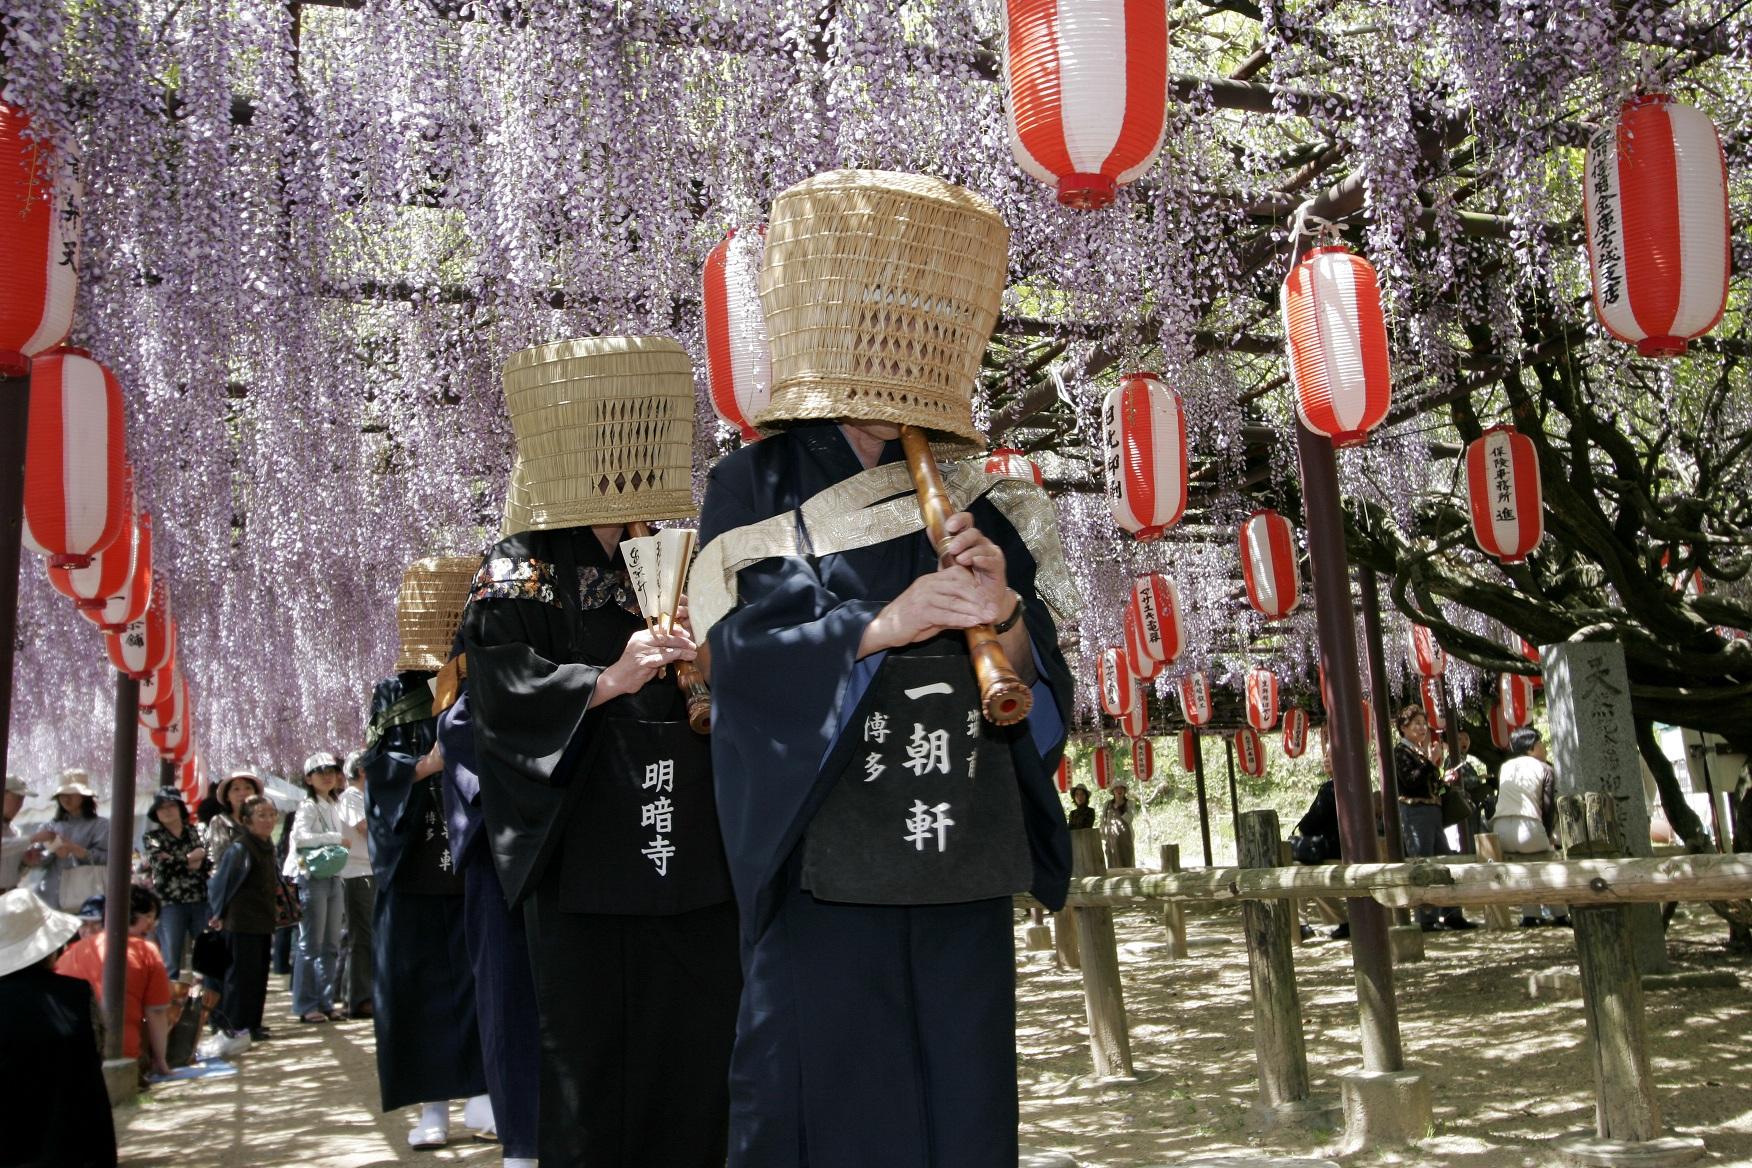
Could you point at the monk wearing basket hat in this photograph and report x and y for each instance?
(596, 792)
(877, 821)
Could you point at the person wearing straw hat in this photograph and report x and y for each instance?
(877, 825)
(51, 1077)
(74, 845)
(597, 796)
(423, 992)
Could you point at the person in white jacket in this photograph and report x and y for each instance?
(1526, 812)
(354, 978)
(315, 864)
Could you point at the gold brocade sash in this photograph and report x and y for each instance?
(871, 508)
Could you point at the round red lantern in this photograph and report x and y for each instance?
(107, 575)
(1144, 666)
(130, 603)
(1262, 699)
(1113, 677)
(39, 220)
(147, 643)
(1189, 750)
(75, 482)
(1295, 735)
(1504, 495)
(1136, 720)
(1064, 775)
(1249, 752)
(1655, 201)
(1515, 695)
(1268, 564)
(1086, 92)
(1103, 767)
(1007, 460)
(738, 361)
(1154, 608)
(1195, 697)
(1145, 458)
(1426, 653)
(1143, 760)
(1337, 342)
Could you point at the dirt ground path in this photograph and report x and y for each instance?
(1508, 1072)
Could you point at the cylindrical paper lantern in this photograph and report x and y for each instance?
(1655, 201)
(147, 643)
(1145, 458)
(1144, 666)
(39, 236)
(1262, 699)
(1143, 760)
(1189, 750)
(1113, 677)
(1295, 736)
(1103, 767)
(1337, 342)
(130, 603)
(1504, 494)
(1515, 694)
(75, 481)
(1429, 692)
(1427, 656)
(1064, 775)
(1249, 752)
(1154, 608)
(1086, 92)
(1268, 564)
(1195, 697)
(739, 366)
(160, 692)
(108, 574)
(1499, 726)
(1007, 460)
(1136, 721)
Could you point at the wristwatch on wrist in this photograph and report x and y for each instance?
(1009, 622)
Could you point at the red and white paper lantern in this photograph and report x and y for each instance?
(130, 603)
(1144, 666)
(1499, 726)
(1515, 695)
(1249, 752)
(1144, 429)
(1295, 735)
(167, 710)
(108, 574)
(1337, 341)
(1262, 699)
(1136, 721)
(1189, 750)
(75, 477)
(39, 220)
(147, 643)
(1427, 656)
(1013, 463)
(1655, 201)
(1268, 564)
(738, 359)
(1504, 494)
(1430, 694)
(1195, 697)
(1115, 681)
(1064, 775)
(1154, 608)
(159, 692)
(1143, 760)
(1103, 766)
(1086, 92)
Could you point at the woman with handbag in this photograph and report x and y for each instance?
(73, 847)
(241, 901)
(1421, 786)
(314, 860)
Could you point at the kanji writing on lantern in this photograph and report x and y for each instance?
(928, 823)
(660, 815)
(659, 851)
(873, 767)
(927, 751)
(660, 775)
(876, 728)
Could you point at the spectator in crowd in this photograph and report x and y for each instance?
(1473, 777)
(1082, 815)
(1315, 840)
(284, 948)
(225, 825)
(314, 861)
(240, 900)
(176, 859)
(12, 856)
(51, 1071)
(91, 917)
(73, 846)
(359, 894)
(1420, 806)
(146, 986)
(1526, 811)
(1116, 828)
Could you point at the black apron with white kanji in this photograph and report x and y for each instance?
(644, 839)
(926, 809)
(427, 867)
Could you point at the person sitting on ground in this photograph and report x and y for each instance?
(1526, 812)
(146, 987)
(51, 1074)
(240, 900)
(1420, 807)
(177, 861)
(1081, 814)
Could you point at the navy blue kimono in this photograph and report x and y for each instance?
(869, 1035)
(423, 998)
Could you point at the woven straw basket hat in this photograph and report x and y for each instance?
(604, 432)
(881, 290)
(428, 607)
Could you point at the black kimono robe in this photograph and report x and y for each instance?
(869, 1035)
(601, 825)
(423, 997)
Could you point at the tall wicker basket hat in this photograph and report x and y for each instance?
(881, 290)
(428, 608)
(604, 431)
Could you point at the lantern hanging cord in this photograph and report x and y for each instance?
(1305, 223)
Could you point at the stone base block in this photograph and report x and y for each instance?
(1555, 983)
(1406, 943)
(1303, 1113)
(1035, 1158)
(1383, 1109)
(122, 1077)
(1036, 938)
(1592, 1152)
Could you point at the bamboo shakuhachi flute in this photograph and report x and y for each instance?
(1003, 697)
(687, 674)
